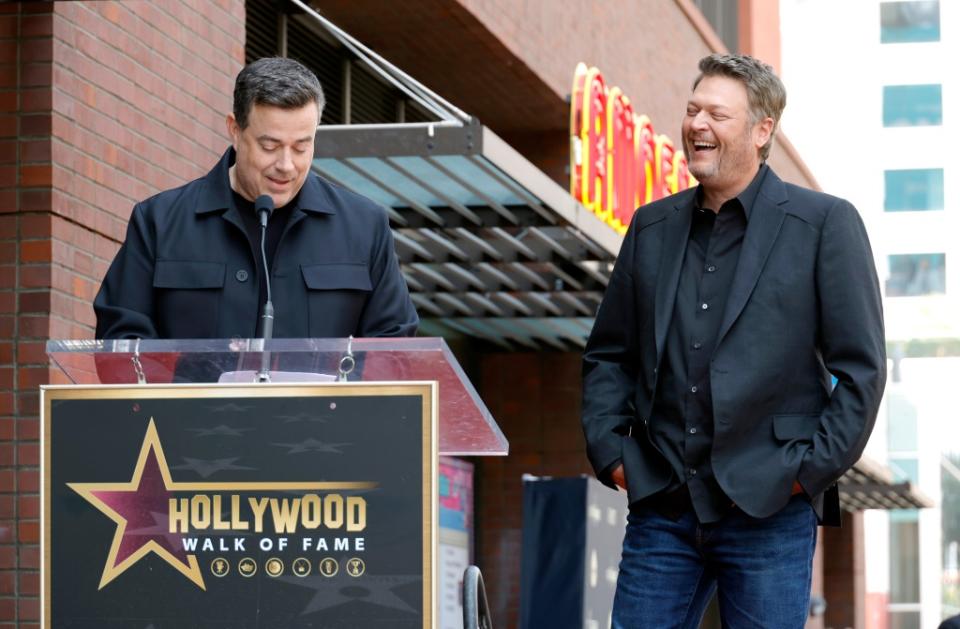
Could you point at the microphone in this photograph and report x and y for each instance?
(264, 207)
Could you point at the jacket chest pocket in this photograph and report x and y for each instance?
(188, 297)
(336, 295)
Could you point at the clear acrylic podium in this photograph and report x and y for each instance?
(465, 425)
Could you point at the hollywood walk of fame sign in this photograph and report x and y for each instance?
(204, 506)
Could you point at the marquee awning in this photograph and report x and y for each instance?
(870, 485)
(490, 246)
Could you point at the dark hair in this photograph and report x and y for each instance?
(765, 92)
(277, 81)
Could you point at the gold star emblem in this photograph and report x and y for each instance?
(134, 506)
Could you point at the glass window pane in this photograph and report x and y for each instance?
(913, 190)
(917, 274)
(909, 22)
(906, 469)
(904, 620)
(904, 561)
(901, 422)
(912, 105)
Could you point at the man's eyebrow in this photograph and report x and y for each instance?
(270, 138)
(720, 107)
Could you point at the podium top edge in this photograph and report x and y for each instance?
(221, 346)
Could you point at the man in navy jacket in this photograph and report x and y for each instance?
(191, 265)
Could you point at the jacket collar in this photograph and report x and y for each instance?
(216, 195)
(674, 245)
(762, 231)
(747, 196)
(766, 213)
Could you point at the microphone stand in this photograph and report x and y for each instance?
(264, 206)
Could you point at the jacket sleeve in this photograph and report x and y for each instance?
(852, 347)
(389, 310)
(610, 362)
(124, 306)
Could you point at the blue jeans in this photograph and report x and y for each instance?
(760, 569)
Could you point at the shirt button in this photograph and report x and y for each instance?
(242, 275)
(693, 431)
(697, 345)
(704, 306)
(693, 389)
(711, 269)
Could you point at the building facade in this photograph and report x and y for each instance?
(102, 104)
(871, 110)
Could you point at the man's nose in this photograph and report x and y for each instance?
(699, 121)
(285, 160)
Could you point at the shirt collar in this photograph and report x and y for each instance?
(747, 196)
(218, 196)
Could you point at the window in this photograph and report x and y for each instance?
(353, 95)
(901, 425)
(909, 619)
(902, 22)
(904, 610)
(723, 16)
(904, 469)
(912, 105)
(917, 274)
(913, 190)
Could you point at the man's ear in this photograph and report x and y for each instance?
(762, 132)
(233, 130)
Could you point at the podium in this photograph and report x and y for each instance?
(180, 492)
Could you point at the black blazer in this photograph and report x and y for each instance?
(953, 622)
(804, 304)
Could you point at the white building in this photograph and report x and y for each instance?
(874, 107)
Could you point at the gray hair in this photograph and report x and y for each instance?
(765, 92)
(276, 81)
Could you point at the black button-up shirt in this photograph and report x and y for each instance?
(681, 424)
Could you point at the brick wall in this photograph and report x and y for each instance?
(101, 105)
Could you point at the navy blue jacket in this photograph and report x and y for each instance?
(187, 269)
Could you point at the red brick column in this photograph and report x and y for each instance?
(101, 105)
(25, 171)
(845, 580)
(536, 400)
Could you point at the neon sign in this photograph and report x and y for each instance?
(617, 161)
